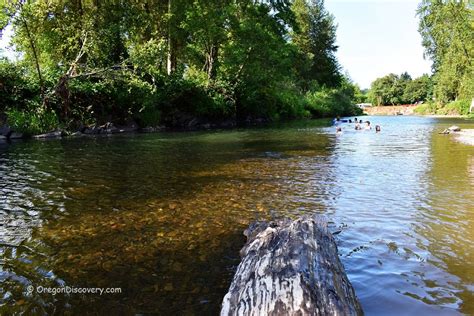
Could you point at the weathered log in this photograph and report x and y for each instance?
(290, 268)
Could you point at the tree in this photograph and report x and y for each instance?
(384, 91)
(419, 89)
(315, 37)
(447, 29)
(239, 59)
(393, 89)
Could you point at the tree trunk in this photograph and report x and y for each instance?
(171, 57)
(290, 268)
(212, 61)
(35, 56)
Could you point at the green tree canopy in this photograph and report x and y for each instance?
(447, 29)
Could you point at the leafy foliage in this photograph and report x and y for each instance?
(447, 29)
(32, 120)
(160, 61)
(16, 87)
(393, 89)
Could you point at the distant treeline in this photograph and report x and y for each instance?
(394, 90)
(171, 62)
(447, 30)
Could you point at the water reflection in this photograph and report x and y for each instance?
(447, 221)
(161, 216)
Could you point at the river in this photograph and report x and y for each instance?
(161, 216)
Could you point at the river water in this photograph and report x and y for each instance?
(161, 216)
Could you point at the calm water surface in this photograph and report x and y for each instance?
(161, 216)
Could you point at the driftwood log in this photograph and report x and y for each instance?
(290, 268)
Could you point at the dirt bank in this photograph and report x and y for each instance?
(390, 110)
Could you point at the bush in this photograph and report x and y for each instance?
(110, 99)
(16, 88)
(149, 116)
(426, 108)
(32, 121)
(333, 102)
(459, 107)
(291, 103)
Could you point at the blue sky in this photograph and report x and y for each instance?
(377, 37)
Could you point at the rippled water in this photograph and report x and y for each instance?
(161, 216)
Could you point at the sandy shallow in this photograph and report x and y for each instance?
(465, 136)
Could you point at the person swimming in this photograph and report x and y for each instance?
(367, 127)
(358, 127)
(338, 130)
(377, 128)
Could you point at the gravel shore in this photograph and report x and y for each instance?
(465, 136)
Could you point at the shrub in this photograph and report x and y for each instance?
(16, 88)
(33, 121)
(459, 107)
(426, 108)
(331, 102)
(149, 116)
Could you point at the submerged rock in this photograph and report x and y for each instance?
(5, 131)
(55, 134)
(130, 126)
(227, 124)
(109, 128)
(92, 130)
(451, 129)
(151, 129)
(16, 135)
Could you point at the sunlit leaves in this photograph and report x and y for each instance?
(447, 30)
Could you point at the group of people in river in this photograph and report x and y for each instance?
(359, 125)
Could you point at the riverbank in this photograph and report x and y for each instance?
(190, 124)
(402, 110)
(391, 110)
(453, 109)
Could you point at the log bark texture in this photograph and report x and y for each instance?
(290, 268)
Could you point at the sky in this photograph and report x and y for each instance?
(5, 49)
(375, 38)
(378, 37)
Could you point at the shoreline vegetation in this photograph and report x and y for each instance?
(93, 68)
(170, 64)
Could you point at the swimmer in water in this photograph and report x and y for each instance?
(367, 127)
(377, 128)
